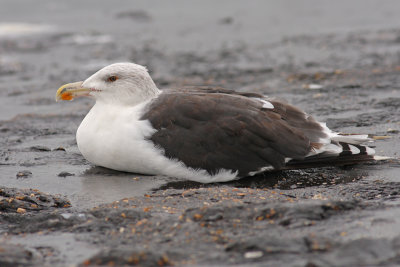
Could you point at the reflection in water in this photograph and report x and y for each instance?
(304, 178)
(285, 179)
(101, 185)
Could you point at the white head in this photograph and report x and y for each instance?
(119, 83)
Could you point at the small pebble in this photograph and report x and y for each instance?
(312, 86)
(226, 20)
(390, 130)
(40, 148)
(66, 215)
(65, 174)
(21, 210)
(253, 254)
(24, 174)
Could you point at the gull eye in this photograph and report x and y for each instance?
(112, 78)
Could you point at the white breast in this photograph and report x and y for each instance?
(114, 137)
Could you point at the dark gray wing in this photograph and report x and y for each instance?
(213, 129)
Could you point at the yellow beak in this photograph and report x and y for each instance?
(70, 91)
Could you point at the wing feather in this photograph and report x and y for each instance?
(213, 128)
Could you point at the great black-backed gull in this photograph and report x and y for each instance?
(202, 134)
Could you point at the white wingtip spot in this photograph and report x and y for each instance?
(370, 151)
(354, 150)
(267, 104)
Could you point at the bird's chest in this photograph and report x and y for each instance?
(113, 138)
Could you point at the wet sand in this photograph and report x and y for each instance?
(56, 209)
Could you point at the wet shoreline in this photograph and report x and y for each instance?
(56, 209)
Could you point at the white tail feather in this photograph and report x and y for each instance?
(355, 139)
(381, 158)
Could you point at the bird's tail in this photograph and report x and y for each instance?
(344, 149)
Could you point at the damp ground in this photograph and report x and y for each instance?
(56, 209)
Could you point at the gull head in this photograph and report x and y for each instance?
(119, 83)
